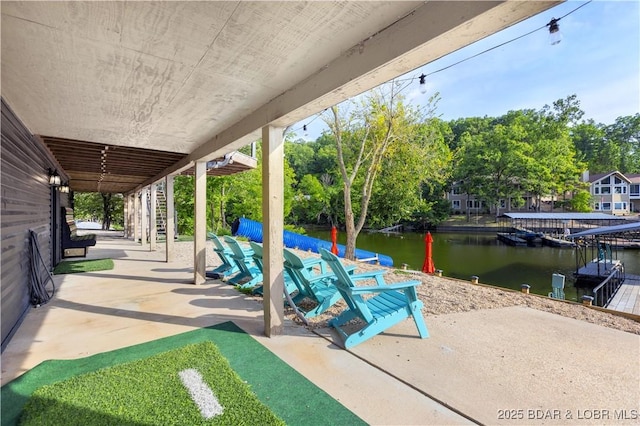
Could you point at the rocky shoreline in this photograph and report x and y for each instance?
(442, 296)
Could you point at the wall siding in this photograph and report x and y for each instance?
(25, 205)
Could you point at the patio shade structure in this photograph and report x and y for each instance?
(175, 85)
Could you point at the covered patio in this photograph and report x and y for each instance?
(118, 96)
(510, 365)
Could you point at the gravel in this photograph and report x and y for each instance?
(442, 295)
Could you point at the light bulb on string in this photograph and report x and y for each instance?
(304, 129)
(423, 84)
(555, 36)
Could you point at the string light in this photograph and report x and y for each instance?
(555, 36)
(423, 84)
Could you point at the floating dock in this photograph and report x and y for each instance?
(627, 298)
(511, 239)
(594, 272)
(548, 240)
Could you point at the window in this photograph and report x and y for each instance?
(473, 204)
(620, 206)
(620, 189)
(605, 190)
(605, 206)
(596, 189)
(635, 189)
(455, 204)
(596, 206)
(617, 180)
(503, 204)
(456, 190)
(606, 181)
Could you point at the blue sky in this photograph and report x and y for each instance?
(598, 59)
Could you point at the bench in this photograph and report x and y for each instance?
(74, 245)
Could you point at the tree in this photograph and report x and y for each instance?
(364, 138)
(496, 163)
(102, 207)
(413, 177)
(625, 134)
(581, 201)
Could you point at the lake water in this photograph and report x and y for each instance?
(461, 255)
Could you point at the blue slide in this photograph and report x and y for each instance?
(253, 230)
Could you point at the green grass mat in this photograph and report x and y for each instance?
(287, 393)
(76, 266)
(192, 385)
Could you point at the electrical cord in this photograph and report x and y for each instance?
(37, 280)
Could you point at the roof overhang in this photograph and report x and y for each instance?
(180, 82)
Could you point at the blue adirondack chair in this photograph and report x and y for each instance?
(250, 275)
(391, 304)
(313, 281)
(228, 266)
(289, 285)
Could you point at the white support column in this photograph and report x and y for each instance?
(132, 215)
(127, 216)
(153, 224)
(273, 228)
(136, 217)
(144, 217)
(200, 224)
(171, 224)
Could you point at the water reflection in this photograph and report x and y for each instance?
(461, 255)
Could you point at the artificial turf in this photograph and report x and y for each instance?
(77, 266)
(150, 391)
(289, 395)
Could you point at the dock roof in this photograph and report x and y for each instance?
(562, 216)
(608, 230)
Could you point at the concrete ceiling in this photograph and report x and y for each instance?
(202, 78)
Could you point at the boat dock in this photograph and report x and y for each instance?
(596, 271)
(511, 239)
(548, 240)
(627, 298)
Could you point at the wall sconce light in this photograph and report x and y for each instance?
(54, 178)
(64, 188)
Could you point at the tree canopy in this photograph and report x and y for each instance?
(382, 162)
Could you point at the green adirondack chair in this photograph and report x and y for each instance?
(250, 275)
(391, 304)
(228, 266)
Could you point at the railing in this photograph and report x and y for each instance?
(604, 292)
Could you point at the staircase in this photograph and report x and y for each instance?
(161, 209)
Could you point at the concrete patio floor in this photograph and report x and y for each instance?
(504, 366)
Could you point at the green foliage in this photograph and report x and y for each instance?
(107, 209)
(383, 162)
(149, 391)
(184, 200)
(608, 148)
(581, 201)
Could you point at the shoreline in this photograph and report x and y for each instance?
(444, 295)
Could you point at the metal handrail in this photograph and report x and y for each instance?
(604, 292)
